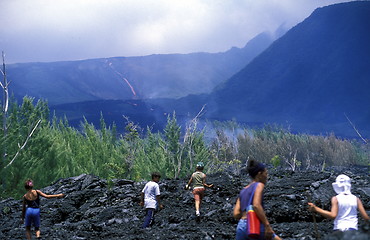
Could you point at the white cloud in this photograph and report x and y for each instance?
(44, 30)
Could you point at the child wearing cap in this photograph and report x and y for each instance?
(198, 179)
(344, 206)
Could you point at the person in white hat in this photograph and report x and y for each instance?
(344, 206)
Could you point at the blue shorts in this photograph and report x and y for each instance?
(241, 231)
(32, 217)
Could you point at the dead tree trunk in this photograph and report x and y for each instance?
(354, 128)
(5, 104)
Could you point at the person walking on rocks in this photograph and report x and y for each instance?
(344, 206)
(253, 194)
(150, 198)
(31, 208)
(198, 179)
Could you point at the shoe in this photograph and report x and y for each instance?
(197, 218)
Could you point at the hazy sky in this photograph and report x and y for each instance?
(54, 30)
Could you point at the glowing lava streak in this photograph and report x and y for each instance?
(125, 79)
(128, 83)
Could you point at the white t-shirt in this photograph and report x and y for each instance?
(151, 190)
(347, 212)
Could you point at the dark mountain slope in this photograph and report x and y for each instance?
(310, 77)
(113, 111)
(166, 76)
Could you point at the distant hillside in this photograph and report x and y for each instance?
(123, 78)
(113, 111)
(306, 80)
(309, 78)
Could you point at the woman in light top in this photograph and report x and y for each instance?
(344, 206)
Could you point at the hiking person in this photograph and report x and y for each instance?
(253, 194)
(344, 206)
(150, 198)
(198, 179)
(31, 208)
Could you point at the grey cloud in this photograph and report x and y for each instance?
(41, 30)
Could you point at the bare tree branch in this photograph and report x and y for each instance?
(4, 109)
(354, 128)
(24, 144)
(190, 129)
(5, 85)
(200, 113)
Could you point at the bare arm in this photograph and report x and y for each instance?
(237, 213)
(23, 209)
(158, 197)
(205, 184)
(189, 182)
(257, 206)
(142, 199)
(50, 196)
(362, 211)
(332, 214)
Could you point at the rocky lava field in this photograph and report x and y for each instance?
(95, 208)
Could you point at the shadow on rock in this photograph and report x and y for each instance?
(101, 209)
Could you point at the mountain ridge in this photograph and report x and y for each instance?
(142, 77)
(310, 79)
(307, 75)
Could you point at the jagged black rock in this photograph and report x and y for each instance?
(97, 209)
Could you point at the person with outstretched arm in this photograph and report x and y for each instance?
(31, 208)
(198, 179)
(344, 206)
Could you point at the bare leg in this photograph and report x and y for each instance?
(28, 232)
(38, 233)
(197, 205)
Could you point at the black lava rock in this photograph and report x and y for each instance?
(98, 209)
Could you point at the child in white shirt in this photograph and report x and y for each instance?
(150, 199)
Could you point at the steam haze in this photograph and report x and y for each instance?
(44, 31)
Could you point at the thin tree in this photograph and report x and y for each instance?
(21, 147)
(354, 128)
(189, 137)
(4, 85)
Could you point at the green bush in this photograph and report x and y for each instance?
(57, 150)
(276, 161)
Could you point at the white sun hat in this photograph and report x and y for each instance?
(342, 184)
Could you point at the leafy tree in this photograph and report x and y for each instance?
(172, 139)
